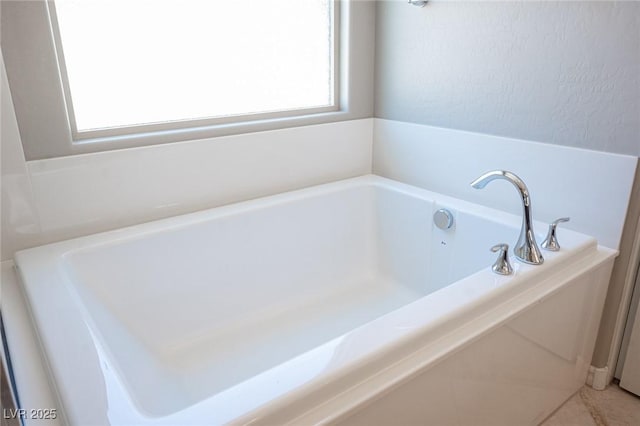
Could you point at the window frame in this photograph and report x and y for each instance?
(33, 70)
(173, 125)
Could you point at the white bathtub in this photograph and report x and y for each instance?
(341, 303)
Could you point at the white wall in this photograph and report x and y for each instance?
(591, 187)
(20, 227)
(56, 199)
(563, 72)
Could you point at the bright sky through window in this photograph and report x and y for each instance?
(138, 62)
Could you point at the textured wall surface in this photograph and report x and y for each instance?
(556, 72)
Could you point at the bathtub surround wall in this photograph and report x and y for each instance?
(446, 161)
(565, 73)
(52, 200)
(19, 224)
(57, 199)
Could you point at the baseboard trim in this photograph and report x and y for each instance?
(598, 378)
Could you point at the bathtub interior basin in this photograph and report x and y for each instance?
(186, 308)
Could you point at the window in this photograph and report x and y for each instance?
(95, 75)
(130, 65)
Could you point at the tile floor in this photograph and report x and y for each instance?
(610, 407)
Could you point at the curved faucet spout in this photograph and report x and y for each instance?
(526, 249)
(483, 180)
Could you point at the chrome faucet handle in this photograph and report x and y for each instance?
(551, 241)
(526, 249)
(502, 265)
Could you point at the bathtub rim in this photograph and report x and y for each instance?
(194, 218)
(459, 335)
(345, 398)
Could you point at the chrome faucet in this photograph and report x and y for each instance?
(526, 248)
